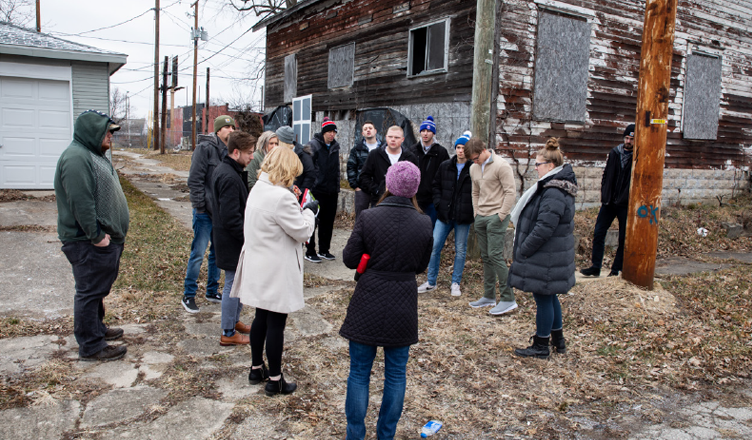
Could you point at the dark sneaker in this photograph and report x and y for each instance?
(109, 353)
(313, 258)
(258, 375)
(591, 271)
(613, 273)
(113, 333)
(214, 297)
(326, 256)
(189, 304)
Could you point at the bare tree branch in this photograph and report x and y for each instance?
(18, 12)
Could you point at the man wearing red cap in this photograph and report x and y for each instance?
(325, 150)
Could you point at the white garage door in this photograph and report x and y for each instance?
(35, 128)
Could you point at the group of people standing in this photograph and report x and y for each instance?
(248, 207)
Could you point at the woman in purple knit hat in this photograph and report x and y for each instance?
(383, 311)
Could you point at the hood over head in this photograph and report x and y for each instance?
(91, 128)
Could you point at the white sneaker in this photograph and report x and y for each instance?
(456, 289)
(425, 287)
(503, 307)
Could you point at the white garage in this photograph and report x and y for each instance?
(45, 83)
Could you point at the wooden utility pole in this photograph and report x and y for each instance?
(155, 123)
(39, 15)
(195, 73)
(641, 243)
(207, 106)
(485, 25)
(164, 106)
(174, 88)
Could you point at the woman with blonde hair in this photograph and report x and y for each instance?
(544, 247)
(265, 143)
(269, 276)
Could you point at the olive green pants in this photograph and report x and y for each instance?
(491, 233)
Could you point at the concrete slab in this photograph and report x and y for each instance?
(39, 422)
(204, 347)
(156, 357)
(196, 418)
(38, 284)
(28, 212)
(19, 354)
(120, 405)
(309, 322)
(204, 329)
(258, 426)
(119, 374)
(744, 257)
(333, 270)
(237, 388)
(684, 266)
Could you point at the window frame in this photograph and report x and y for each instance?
(688, 88)
(329, 66)
(447, 28)
(302, 119)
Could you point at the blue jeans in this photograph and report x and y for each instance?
(231, 307)
(202, 231)
(440, 233)
(547, 315)
(430, 211)
(356, 403)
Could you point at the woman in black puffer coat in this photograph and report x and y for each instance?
(544, 246)
(383, 311)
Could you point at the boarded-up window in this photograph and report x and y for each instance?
(428, 50)
(702, 97)
(291, 77)
(561, 68)
(341, 66)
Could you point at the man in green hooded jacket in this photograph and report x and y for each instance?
(92, 223)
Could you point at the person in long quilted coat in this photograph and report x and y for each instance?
(544, 246)
(383, 311)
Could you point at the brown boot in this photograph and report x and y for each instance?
(242, 328)
(236, 339)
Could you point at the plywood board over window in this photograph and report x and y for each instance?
(561, 67)
(702, 99)
(341, 66)
(291, 77)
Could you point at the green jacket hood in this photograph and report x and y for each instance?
(90, 130)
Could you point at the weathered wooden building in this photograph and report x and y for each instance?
(566, 68)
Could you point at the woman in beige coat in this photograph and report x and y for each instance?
(269, 276)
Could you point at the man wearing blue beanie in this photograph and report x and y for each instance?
(430, 155)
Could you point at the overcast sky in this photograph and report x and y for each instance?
(233, 52)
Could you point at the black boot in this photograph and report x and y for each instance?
(539, 349)
(591, 271)
(274, 387)
(558, 342)
(258, 375)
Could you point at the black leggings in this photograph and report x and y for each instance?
(270, 327)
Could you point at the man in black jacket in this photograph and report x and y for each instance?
(614, 203)
(356, 161)
(325, 189)
(210, 151)
(453, 199)
(373, 176)
(430, 155)
(230, 194)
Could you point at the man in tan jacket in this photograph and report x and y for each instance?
(493, 199)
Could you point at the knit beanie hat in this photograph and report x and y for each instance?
(286, 134)
(402, 179)
(629, 131)
(328, 125)
(428, 124)
(462, 140)
(223, 121)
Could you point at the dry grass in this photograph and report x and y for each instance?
(179, 161)
(14, 195)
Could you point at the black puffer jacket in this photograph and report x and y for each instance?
(308, 176)
(429, 164)
(383, 310)
(230, 194)
(327, 166)
(356, 161)
(209, 153)
(453, 197)
(544, 240)
(373, 175)
(615, 181)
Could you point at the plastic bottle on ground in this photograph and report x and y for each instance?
(430, 428)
